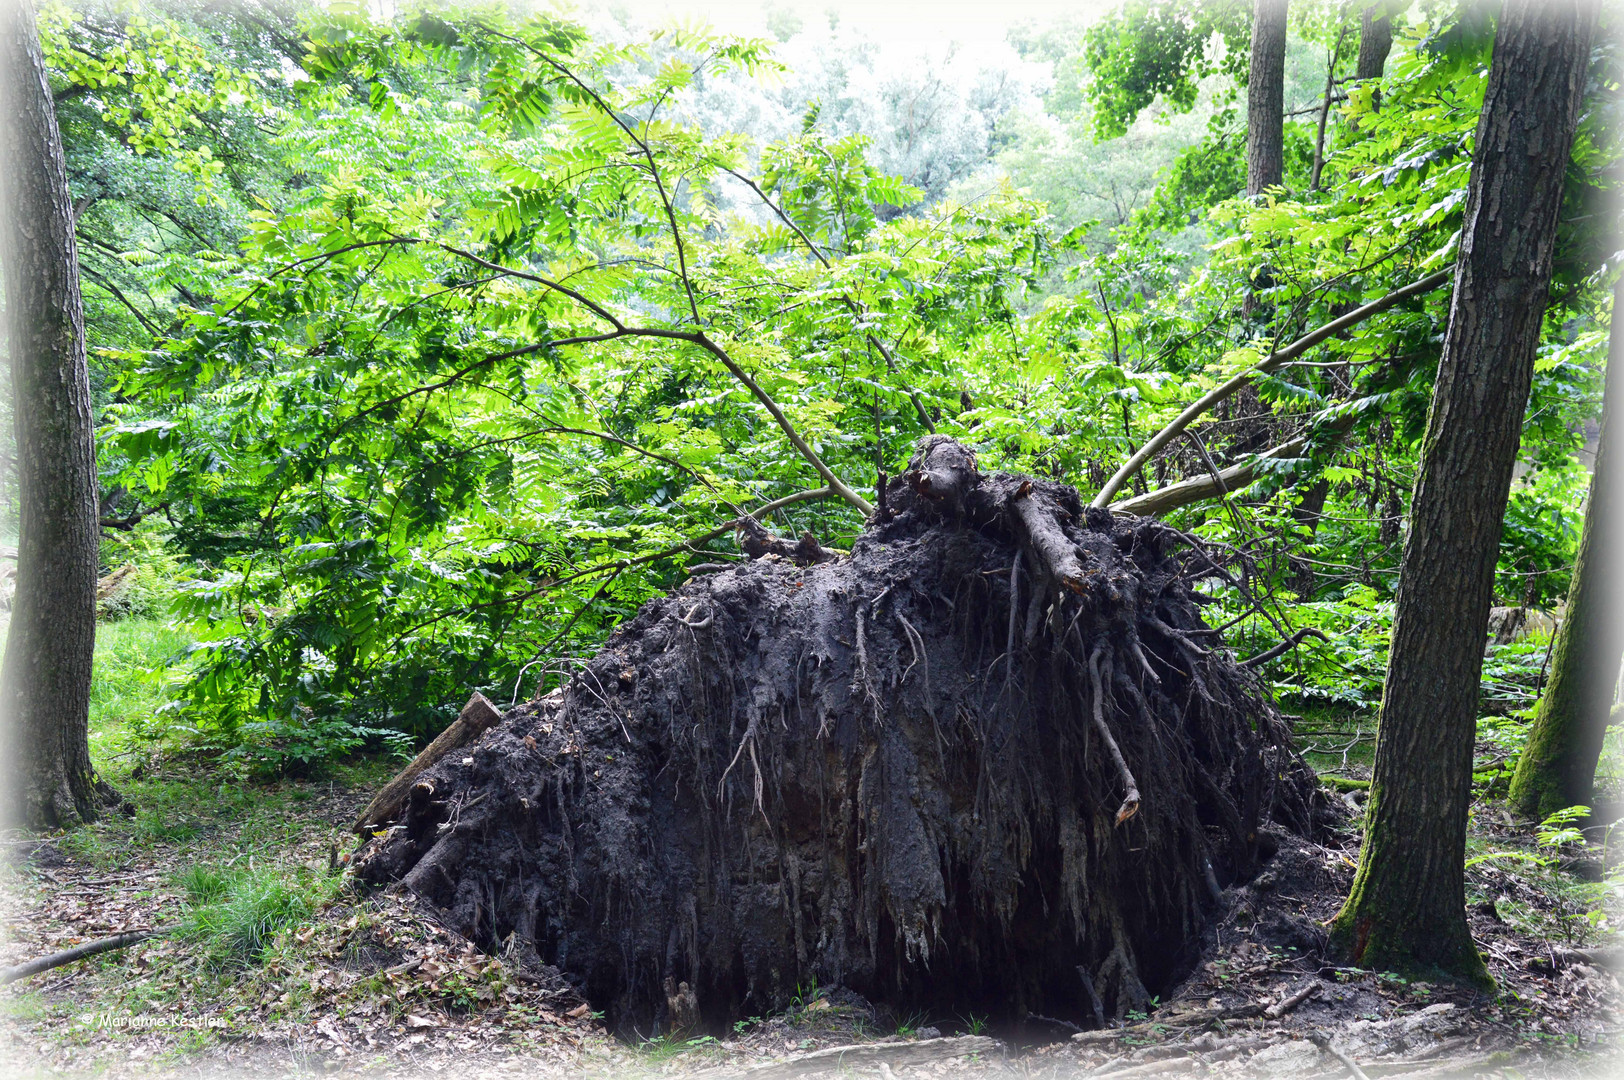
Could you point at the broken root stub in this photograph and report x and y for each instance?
(856, 772)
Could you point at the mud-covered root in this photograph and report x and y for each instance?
(992, 762)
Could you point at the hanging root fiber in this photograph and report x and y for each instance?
(991, 762)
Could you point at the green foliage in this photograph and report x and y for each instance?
(484, 331)
(150, 573)
(1161, 48)
(132, 677)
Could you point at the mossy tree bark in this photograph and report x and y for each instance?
(45, 681)
(1558, 767)
(1265, 97)
(1406, 910)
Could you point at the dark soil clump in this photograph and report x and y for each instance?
(991, 762)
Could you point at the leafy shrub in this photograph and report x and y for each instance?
(298, 745)
(149, 574)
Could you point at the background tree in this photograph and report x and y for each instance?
(1558, 767)
(1375, 40)
(1150, 49)
(1406, 909)
(1265, 97)
(45, 681)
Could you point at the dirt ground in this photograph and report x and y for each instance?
(373, 985)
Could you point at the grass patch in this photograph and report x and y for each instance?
(205, 884)
(138, 662)
(235, 917)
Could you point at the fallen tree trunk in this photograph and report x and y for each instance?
(1164, 500)
(857, 771)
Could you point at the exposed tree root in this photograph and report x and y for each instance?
(859, 771)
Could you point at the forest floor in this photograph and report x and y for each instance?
(373, 985)
(281, 968)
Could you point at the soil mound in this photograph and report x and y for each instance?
(991, 762)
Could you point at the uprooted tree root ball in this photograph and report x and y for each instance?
(992, 761)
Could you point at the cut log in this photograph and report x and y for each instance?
(476, 717)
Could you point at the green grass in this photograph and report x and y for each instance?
(244, 912)
(205, 884)
(1335, 739)
(137, 665)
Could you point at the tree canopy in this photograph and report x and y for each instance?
(435, 345)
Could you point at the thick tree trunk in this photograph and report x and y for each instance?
(45, 681)
(1265, 97)
(1407, 907)
(1558, 767)
(1375, 40)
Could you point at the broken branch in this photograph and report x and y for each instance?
(1275, 360)
(1290, 1002)
(475, 717)
(1323, 1041)
(1285, 646)
(79, 952)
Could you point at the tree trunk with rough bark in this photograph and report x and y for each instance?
(1375, 41)
(1406, 910)
(45, 681)
(1265, 97)
(1558, 767)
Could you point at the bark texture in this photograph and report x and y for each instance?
(1406, 910)
(1265, 97)
(1558, 766)
(990, 762)
(45, 681)
(1375, 40)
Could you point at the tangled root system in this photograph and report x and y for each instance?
(992, 761)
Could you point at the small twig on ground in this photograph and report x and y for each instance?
(1052, 1021)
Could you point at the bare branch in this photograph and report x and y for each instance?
(1276, 359)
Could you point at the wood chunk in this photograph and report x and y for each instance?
(1047, 541)
(476, 716)
(1286, 1004)
(943, 471)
